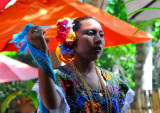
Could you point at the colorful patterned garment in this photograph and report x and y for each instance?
(75, 99)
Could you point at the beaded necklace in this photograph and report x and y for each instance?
(105, 91)
(84, 83)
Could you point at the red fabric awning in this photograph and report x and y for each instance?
(3, 3)
(47, 12)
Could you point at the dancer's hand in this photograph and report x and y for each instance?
(35, 37)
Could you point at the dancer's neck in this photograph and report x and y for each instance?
(83, 65)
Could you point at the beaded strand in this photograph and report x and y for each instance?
(105, 91)
(84, 83)
(85, 86)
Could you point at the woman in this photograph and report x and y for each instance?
(80, 87)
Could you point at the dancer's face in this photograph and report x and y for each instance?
(91, 41)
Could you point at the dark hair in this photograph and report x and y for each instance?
(77, 21)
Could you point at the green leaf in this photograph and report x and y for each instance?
(151, 20)
(7, 101)
(33, 97)
(29, 84)
(151, 8)
(128, 1)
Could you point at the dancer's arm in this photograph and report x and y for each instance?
(50, 97)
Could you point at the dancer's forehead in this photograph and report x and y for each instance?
(90, 24)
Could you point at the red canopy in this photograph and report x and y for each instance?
(3, 3)
(14, 70)
(47, 12)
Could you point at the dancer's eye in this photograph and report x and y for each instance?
(101, 34)
(91, 32)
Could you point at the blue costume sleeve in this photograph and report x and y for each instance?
(40, 57)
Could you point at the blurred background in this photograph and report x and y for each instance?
(137, 64)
